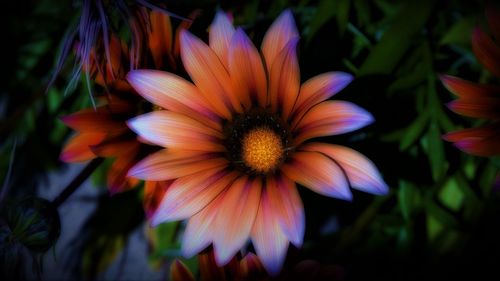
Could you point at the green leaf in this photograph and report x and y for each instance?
(408, 197)
(414, 131)
(324, 12)
(388, 52)
(460, 32)
(451, 195)
(343, 15)
(435, 151)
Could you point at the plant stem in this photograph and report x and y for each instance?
(76, 182)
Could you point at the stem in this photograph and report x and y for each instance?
(76, 182)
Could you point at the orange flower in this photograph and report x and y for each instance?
(479, 100)
(237, 140)
(102, 132)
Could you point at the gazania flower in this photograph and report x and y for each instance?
(102, 132)
(479, 100)
(238, 140)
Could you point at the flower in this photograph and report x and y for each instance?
(102, 132)
(479, 100)
(237, 141)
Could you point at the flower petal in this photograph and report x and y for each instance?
(284, 79)
(361, 172)
(221, 32)
(90, 120)
(331, 118)
(180, 272)
(235, 218)
(171, 92)
(277, 36)
(478, 107)
(247, 70)
(200, 228)
(318, 173)
(493, 16)
(189, 194)
(77, 149)
(480, 146)
(268, 239)
(486, 51)
(467, 89)
(153, 194)
(285, 199)
(209, 74)
(160, 38)
(318, 89)
(171, 164)
(474, 133)
(117, 180)
(175, 130)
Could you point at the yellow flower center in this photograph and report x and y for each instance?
(262, 149)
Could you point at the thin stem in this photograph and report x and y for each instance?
(76, 182)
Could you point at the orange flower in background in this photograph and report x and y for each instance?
(102, 132)
(238, 140)
(479, 100)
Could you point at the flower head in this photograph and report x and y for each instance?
(237, 141)
(479, 100)
(102, 131)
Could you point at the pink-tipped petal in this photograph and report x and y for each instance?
(221, 32)
(171, 92)
(189, 194)
(318, 89)
(480, 146)
(200, 228)
(209, 74)
(486, 51)
(277, 36)
(78, 148)
(361, 172)
(174, 130)
(171, 164)
(467, 89)
(318, 173)
(235, 218)
(285, 199)
(247, 70)
(471, 133)
(268, 239)
(284, 79)
(331, 118)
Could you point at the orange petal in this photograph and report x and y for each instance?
(153, 194)
(467, 89)
(478, 107)
(189, 194)
(160, 38)
(117, 174)
(172, 164)
(480, 146)
(235, 218)
(180, 272)
(486, 51)
(361, 172)
(480, 132)
(251, 268)
(331, 118)
(268, 239)
(221, 32)
(247, 70)
(318, 89)
(175, 130)
(115, 146)
(277, 36)
(200, 229)
(318, 173)
(284, 79)
(90, 120)
(209, 74)
(173, 93)
(286, 202)
(78, 147)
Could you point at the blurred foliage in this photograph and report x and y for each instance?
(440, 219)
